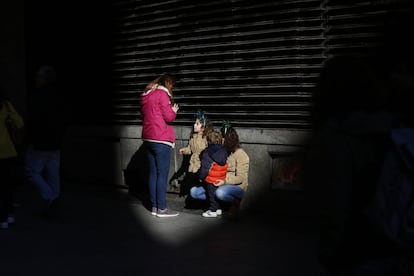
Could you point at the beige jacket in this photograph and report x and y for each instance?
(7, 149)
(238, 170)
(196, 145)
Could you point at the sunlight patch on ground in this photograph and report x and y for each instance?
(174, 231)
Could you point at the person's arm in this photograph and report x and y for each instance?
(169, 113)
(241, 172)
(205, 165)
(15, 117)
(187, 149)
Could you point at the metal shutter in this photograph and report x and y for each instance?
(254, 63)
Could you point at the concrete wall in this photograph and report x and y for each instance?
(105, 155)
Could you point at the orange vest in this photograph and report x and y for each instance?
(216, 172)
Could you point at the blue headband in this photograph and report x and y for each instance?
(201, 116)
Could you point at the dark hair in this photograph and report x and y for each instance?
(231, 140)
(47, 73)
(163, 80)
(225, 126)
(201, 116)
(208, 128)
(166, 78)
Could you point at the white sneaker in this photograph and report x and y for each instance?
(219, 212)
(4, 225)
(154, 211)
(209, 214)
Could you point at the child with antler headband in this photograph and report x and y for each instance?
(196, 144)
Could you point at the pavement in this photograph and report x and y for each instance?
(103, 230)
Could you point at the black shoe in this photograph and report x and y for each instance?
(51, 209)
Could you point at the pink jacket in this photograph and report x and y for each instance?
(157, 114)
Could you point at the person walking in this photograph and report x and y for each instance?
(8, 159)
(45, 130)
(158, 111)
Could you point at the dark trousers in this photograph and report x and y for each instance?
(211, 197)
(7, 185)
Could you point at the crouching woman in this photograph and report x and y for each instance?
(232, 190)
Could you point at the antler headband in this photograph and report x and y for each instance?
(226, 125)
(201, 116)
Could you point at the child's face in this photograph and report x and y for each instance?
(198, 126)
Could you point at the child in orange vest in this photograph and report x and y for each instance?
(213, 168)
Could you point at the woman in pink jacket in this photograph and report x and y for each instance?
(157, 113)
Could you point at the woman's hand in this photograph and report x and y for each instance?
(219, 182)
(175, 107)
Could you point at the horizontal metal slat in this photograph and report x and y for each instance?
(248, 56)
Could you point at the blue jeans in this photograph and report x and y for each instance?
(225, 193)
(42, 168)
(159, 156)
